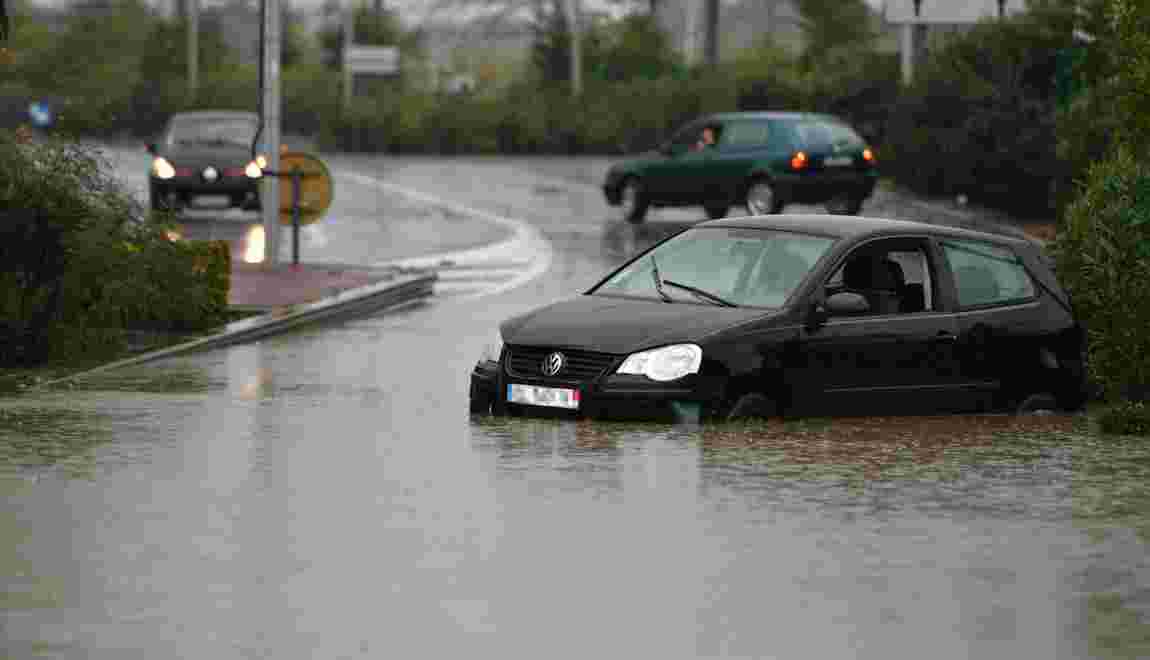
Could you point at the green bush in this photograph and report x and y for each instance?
(1103, 258)
(1126, 418)
(83, 264)
(980, 118)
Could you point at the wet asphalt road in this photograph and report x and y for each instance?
(324, 494)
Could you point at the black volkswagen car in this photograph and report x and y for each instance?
(204, 155)
(794, 315)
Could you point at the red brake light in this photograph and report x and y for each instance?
(868, 155)
(799, 161)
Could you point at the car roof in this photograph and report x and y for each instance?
(765, 114)
(843, 226)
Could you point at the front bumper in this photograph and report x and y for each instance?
(240, 190)
(609, 397)
(821, 186)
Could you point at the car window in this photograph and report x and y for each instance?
(748, 267)
(894, 278)
(987, 274)
(745, 134)
(215, 130)
(688, 135)
(820, 134)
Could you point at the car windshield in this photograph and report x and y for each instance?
(216, 130)
(722, 266)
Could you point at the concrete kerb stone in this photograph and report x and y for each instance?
(384, 296)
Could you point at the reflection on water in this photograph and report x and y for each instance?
(1045, 467)
(37, 436)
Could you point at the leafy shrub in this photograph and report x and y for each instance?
(82, 264)
(1126, 418)
(1103, 258)
(980, 117)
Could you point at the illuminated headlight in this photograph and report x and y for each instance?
(663, 364)
(254, 170)
(261, 162)
(492, 348)
(163, 169)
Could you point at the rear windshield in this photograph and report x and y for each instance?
(819, 133)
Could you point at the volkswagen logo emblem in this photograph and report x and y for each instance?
(211, 174)
(553, 364)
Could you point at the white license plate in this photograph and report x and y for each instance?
(839, 161)
(212, 201)
(554, 397)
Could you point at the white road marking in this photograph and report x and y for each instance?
(475, 272)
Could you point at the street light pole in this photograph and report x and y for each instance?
(348, 42)
(571, 9)
(270, 129)
(193, 49)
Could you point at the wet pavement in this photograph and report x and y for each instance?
(324, 494)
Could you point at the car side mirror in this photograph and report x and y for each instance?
(846, 303)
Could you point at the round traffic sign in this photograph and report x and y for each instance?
(315, 187)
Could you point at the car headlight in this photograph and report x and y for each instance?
(492, 348)
(162, 168)
(663, 364)
(261, 162)
(254, 170)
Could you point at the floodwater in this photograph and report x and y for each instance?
(324, 494)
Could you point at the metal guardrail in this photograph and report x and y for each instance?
(354, 302)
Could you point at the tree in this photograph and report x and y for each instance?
(372, 28)
(834, 29)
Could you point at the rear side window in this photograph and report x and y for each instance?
(745, 134)
(986, 274)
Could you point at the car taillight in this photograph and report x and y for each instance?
(183, 171)
(799, 160)
(868, 155)
(233, 171)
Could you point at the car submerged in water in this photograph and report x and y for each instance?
(798, 315)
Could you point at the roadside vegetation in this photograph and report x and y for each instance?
(87, 274)
(1040, 114)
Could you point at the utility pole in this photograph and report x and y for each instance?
(711, 47)
(193, 49)
(270, 129)
(571, 8)
(348, 42)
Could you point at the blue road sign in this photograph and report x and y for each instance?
(40, 113)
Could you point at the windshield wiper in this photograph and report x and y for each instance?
(659, 281)
(705, 295)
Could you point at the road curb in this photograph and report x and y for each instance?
(384, 296)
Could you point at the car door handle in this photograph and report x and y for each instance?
(944, 337)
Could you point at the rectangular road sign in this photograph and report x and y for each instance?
(381, 60)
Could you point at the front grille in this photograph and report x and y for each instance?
(580, 366)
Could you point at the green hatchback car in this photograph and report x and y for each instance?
(759, 161)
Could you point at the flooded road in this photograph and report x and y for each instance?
(324, 494)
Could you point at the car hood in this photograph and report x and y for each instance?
(621, 325)
(196, 155)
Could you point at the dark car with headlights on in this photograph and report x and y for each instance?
(759, 161)
(205, 158)
(798, 315)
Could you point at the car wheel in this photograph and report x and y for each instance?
(762, 198)
(716, 210)
(752, 406)
(633, 201)
(844, 205)
(1042, 403)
